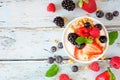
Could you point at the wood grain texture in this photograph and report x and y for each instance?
(32, 13)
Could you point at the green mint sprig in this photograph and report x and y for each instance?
(81, 40)
(81, 2)
(112, 37)
(52, 71)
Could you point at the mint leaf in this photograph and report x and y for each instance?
(112, 76)
(52, 71)
(112, 37)
(80, 40)
(88, 41)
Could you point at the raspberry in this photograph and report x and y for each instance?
(82, 31)
(64, 77)
(95, 32)
(95, 66)
(115, 62)
(51, 7)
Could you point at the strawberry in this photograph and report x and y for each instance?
(64, 77)
(115, 62)
(106, 75)
(82, 31)
(88, 5)
(94, 32)
(88, 51)
(95, 66)
(51, 7)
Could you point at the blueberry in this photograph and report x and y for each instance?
(53, 49)
(74, 68)
(80, 46)
(100, 14)
(103, 39)
(99, 26)
(58, 59)
(60, 45)
(87, 24)
(109, 16)
(50, 60)
(115, 13)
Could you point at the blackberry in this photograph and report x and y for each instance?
(72, 37)
(68, 5)
(59, 21)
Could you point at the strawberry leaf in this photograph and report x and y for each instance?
(80, 3)
(112, 76)
(52, 71)
(86, 1)
(112, 37)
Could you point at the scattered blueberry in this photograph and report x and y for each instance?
(87, 24)
(50, 60)
(100, 14)
(74, 68)
(80, 46)
(99, 26)
(115, 13)
(60, 45)
(53, 49)
(103, 39)
(109, 16)
(58, 59)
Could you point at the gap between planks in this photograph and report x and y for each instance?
(109, 28)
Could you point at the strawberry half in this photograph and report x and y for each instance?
(88, 51)
(51, 7)
(88, 5)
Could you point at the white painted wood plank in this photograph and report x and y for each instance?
(26, 44)
(32, 13)
(36, 71)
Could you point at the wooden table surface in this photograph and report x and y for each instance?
(27, 34)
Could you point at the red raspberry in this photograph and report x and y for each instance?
(64, 77)
(51, 7)
(95, 66)
(115, 62)
(82, 31)
(94, 32)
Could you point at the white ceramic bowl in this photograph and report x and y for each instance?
(69, 48)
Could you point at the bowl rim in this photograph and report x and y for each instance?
(63, 39)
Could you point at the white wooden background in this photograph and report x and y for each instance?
(27, 31)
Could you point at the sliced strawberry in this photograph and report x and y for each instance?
(88, 51)
(51, 7)
(82, 31)
(90, 6)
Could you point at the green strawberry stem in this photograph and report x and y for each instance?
(82, 1)
(112, 76)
